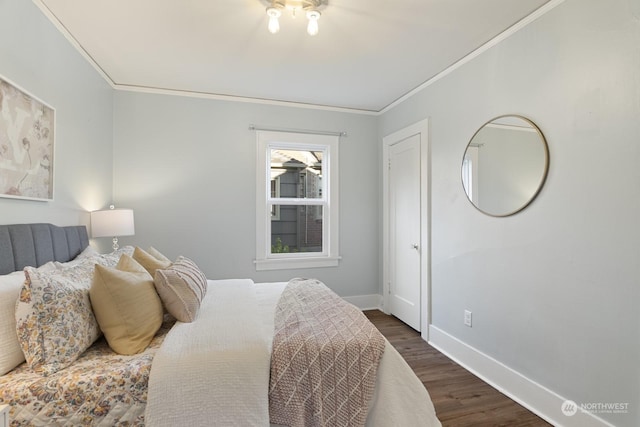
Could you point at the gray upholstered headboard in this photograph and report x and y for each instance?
(24, 245)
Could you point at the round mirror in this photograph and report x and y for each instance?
(505, 165)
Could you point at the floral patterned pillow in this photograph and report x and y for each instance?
(54, 320)
(91, 256)
(111, 259)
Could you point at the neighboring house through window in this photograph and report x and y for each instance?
(297, 200)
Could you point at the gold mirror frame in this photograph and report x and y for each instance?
(534, 176)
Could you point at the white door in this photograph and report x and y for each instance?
(404, 231)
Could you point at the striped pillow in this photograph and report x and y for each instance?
(181, 287)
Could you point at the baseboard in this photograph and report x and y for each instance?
(365, 302)
(533, 396)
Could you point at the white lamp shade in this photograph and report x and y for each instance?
(112, 223)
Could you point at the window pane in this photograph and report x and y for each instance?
(296, 174)
(298, 229)
(275, 192)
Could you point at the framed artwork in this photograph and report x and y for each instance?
(27, 133)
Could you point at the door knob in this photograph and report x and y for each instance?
(416, 246)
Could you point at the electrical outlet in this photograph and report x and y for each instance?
(467, 318)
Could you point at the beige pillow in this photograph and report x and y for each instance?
(157, 254)
(181, 288)
(150, 262)
(126, 305)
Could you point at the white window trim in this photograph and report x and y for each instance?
(470, 173)
(330, 257)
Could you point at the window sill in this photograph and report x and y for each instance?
(294, 263)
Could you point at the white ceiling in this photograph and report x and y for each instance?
(368, 53)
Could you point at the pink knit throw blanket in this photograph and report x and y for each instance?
(324, 359)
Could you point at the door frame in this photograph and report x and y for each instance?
(420, 128)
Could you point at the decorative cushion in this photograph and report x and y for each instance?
(126, 305)
(150, 262)
(111, 259)
(181, 288)
(157, 254)
(10, 352)
(54, 320)
(90, 257)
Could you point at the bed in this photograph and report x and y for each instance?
(227, 366)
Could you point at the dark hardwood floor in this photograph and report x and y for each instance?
(460, 398)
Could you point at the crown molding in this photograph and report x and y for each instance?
(477, 52)
(231, 98)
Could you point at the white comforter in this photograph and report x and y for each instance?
(215, 371)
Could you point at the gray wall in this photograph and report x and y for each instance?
(35, 56)
(554, 289)
(187, 168)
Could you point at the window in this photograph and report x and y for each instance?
(470, 172)
(296, 201)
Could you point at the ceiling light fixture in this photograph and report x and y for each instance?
(273, 12)
(311, 7)
(312, 27)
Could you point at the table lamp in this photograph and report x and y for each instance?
(112, 223)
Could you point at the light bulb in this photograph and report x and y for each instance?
(274, 25)
(312, 27)
(273, 14)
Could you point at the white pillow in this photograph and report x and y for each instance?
(10, 352)
(87, 255)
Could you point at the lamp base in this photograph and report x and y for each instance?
(115, 245)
